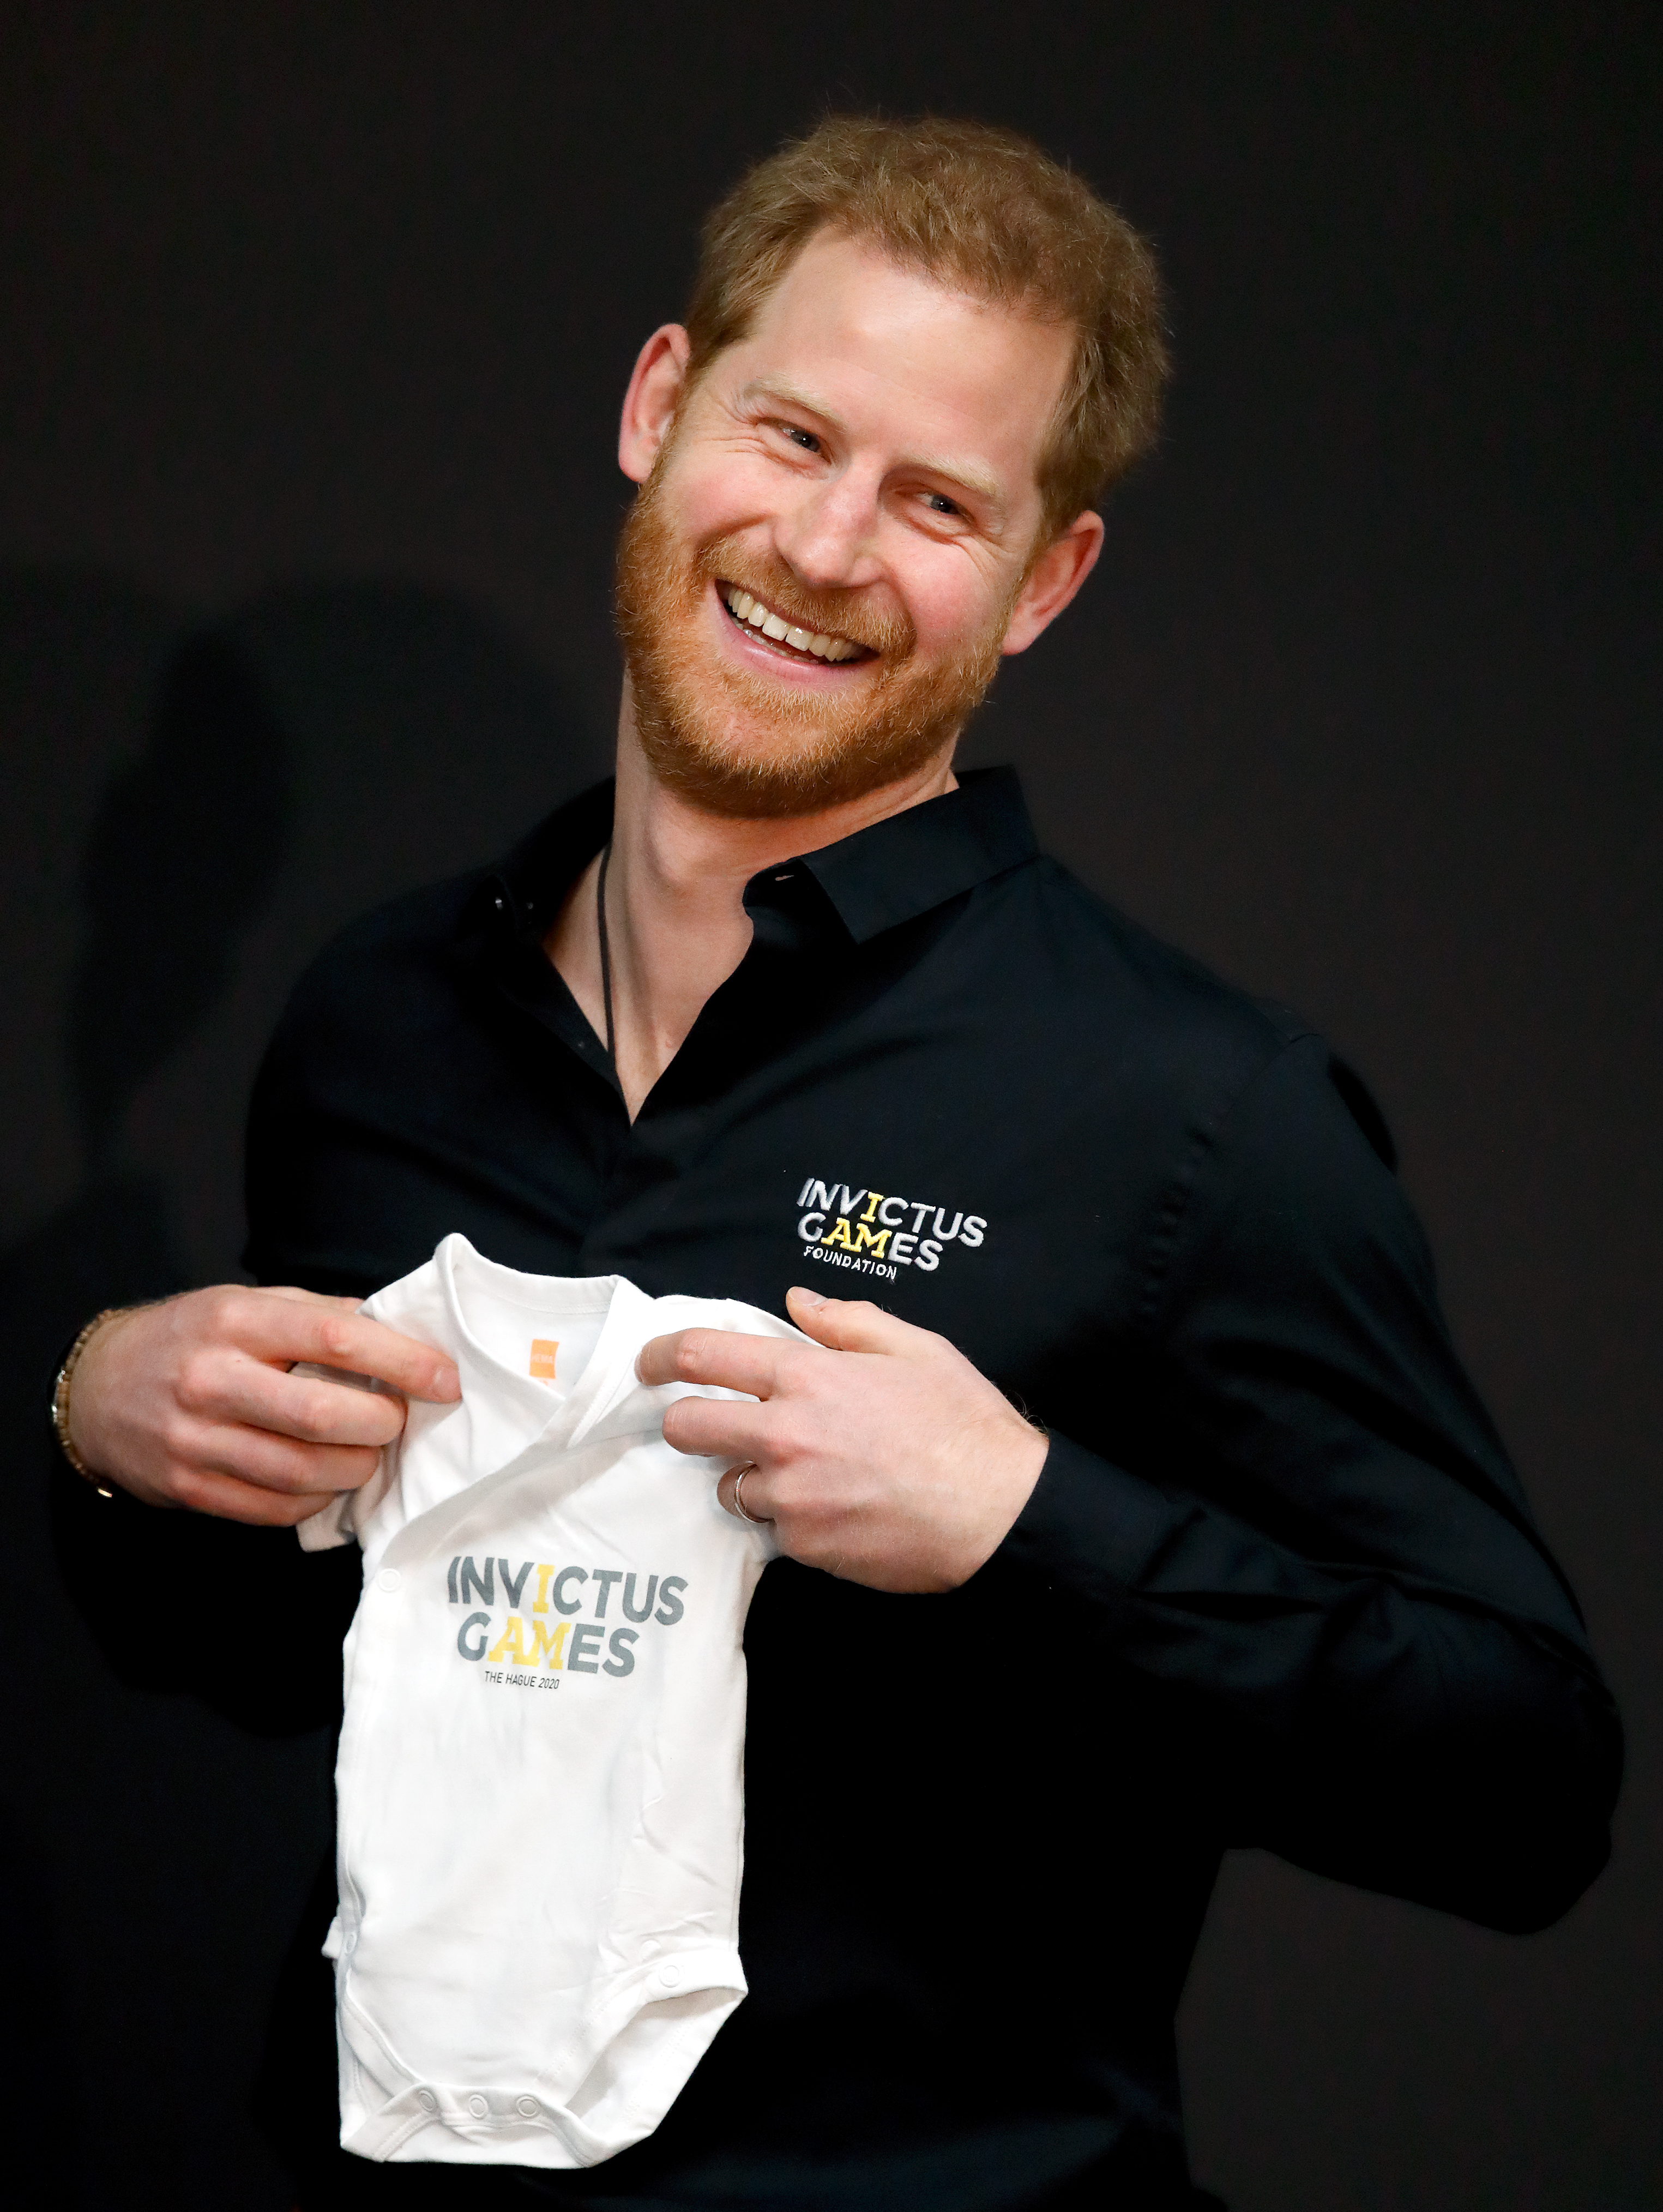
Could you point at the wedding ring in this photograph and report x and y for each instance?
(756, 1521)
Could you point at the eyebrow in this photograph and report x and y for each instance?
(980, 483)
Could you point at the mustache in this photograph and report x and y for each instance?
(844, 612)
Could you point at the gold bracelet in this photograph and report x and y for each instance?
(61, 1400)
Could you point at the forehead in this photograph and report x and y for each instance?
(895, 355)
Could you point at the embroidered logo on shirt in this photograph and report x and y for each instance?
(543, 1349)
(877, 1233)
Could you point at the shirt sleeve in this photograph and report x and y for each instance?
(1328, 1564)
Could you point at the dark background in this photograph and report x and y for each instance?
(313, 323)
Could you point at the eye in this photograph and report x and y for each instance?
(804, 441)
(938, 503)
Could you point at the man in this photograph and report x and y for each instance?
(794, 1013)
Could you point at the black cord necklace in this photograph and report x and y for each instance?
(605, 951)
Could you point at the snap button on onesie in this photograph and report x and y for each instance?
(539, 1784)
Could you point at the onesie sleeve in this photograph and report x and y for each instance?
(1334, 1575)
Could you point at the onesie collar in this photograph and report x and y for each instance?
(627, 1314)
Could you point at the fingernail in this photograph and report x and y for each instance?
(808, 1297)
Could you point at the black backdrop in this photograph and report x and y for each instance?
(313, 320)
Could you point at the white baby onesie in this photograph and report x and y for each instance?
(539, 1784)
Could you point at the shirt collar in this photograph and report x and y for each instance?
(882, 875)
(909, 862)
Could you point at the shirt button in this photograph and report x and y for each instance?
(478, 2107)
(389, 1579)
(427, 2101)
(527, 2107)
(670, 1976)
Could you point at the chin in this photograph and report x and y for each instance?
(770, 773)
(733, 744)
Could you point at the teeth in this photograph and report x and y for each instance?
(821, 643)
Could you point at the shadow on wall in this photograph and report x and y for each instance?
(216, 800)
(183, 854)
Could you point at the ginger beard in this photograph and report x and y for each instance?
(736, 745)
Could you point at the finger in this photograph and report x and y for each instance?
(266, 1462)
(304, 1405)
(717, 1428)
(206, 1490)
(856, 1325)
(717, 1357)
(286, 1326)
(758, 1499)
(370, 1347)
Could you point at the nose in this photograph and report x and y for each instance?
(829, 534)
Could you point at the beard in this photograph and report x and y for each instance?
(734, 743)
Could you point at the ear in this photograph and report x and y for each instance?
(1052, 580)
(650, 404)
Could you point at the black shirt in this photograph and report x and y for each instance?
(1277, 1585)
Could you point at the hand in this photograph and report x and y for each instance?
(878, 1452)
(191, 1402)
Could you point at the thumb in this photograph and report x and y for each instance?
(853, 1324)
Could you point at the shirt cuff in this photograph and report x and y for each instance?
(1089, 1527)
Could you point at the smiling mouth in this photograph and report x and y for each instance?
(791, 638)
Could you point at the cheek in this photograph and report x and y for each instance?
(709, 502)
(950, 604)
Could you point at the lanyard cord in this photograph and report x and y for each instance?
(605, 951)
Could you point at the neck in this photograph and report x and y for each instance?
(676, 926)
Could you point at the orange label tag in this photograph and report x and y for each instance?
(543, 1349)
